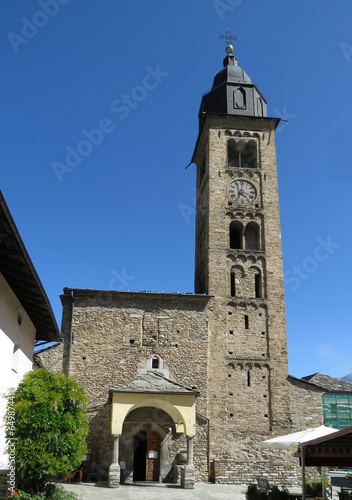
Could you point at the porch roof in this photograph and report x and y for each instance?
(153, 382)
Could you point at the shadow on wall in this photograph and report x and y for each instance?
(99, 443)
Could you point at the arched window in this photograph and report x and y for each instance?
(236, 230)
(251, 236)
(242, 153)
(239, 98)
(155, 362)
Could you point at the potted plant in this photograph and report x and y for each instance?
(345, 495)
(314, 488)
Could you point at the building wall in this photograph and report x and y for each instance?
(306, 405)
(51, 358)
(17, 336)
(113, 336)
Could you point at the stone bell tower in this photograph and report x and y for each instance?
(239, 263)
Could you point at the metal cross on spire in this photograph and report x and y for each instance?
(228, 36)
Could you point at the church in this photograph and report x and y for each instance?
(183, 387)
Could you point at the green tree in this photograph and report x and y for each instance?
(46, 427)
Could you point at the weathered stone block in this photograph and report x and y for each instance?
(114, 476)
(187, 477)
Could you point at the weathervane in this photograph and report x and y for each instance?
(228, 37)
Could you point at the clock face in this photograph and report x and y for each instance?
(242, 191)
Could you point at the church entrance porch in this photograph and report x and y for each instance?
(153, 431)
(150, 447)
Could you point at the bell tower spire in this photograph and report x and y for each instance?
(233, 92)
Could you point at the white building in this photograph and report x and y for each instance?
(26, 316)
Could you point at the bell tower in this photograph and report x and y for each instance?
(238, 262)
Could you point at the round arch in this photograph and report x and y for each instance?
(180, 407)
(161, 405)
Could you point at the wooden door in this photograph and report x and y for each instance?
(153, 457)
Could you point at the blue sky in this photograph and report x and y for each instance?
(121, 82)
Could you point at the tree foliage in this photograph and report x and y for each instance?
(50, 427)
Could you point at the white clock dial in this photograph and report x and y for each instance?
(242, 191)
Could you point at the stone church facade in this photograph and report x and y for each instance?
(183, 387)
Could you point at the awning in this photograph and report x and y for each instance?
(294, 440)
(318, 446)
(332, 450)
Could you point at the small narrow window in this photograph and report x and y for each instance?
(155, 363)
(248, 378)
(233, 284)
(246, 322)
(258, 286)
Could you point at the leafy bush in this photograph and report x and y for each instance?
(254, 493)
(274, 493)
(46, 426)
(57, 492)
(51, 492)
(279, 494)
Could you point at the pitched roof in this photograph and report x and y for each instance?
(330, 384)
(19, 272)
(154, 383)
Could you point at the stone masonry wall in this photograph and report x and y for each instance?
(51, 358)
(116, 333)
(306, 404)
